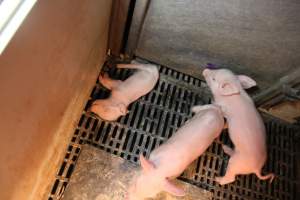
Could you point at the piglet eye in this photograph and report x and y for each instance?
(213, 79)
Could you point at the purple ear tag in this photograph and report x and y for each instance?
(211, 66)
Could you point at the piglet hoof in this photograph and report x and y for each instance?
(126, 196)
(272, 178)
(227, 150)
(219, 180)
(223, 180)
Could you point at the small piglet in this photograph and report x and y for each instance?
(125, 92)
(245, 126)
(170, 159)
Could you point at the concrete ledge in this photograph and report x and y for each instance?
(102, 176)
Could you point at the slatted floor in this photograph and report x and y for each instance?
(155, 117)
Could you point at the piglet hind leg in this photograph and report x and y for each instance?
(130, 66)
(232, 170)
(108, 82)
(199, 108)
(269, 176)
(228, 150)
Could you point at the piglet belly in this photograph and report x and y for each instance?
(248, 134)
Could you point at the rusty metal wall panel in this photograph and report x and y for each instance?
(254, 37)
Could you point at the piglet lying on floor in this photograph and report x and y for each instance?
(125, 92)
(170, 159)
(245, 126)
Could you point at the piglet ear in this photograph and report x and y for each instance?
(147, 166)
(228, 88)
(246, 81)
(173, 189)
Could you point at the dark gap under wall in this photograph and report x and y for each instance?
(127, 26)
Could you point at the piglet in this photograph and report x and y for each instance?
(125, 92)
(170, 159)
(245, 126)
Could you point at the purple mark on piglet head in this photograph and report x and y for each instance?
(211, 66)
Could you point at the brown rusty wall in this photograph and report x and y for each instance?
(46, 75)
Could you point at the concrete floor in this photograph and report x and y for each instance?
(102, 176)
